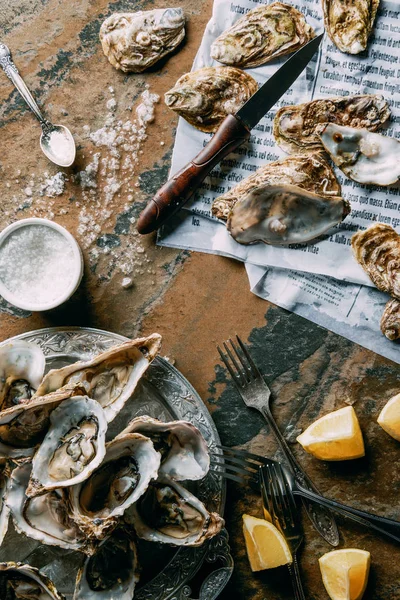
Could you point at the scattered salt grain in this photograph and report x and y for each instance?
(145, 110)
(126, 282)
(53, 186)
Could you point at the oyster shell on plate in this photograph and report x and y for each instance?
(206, 96)
(111, 377)
(184, 451)
(5, 472)
(133, 42)
(365, 157)
(22, 366)
(296, 127)
(170, 514)
(349, 24)
(23, 582)
(73, 448)
(390, 321)
(112, 572)
(128, 467)
(285, 214)
(377, 249)
(263, 34)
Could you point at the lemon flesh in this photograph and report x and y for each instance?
(389, 418)
(266, 547)
(336, 436)
(345, 573)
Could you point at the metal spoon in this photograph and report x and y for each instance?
(56, 141)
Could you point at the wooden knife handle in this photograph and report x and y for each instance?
(177, 191)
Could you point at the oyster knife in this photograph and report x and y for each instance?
(233, 131)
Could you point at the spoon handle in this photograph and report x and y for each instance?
(12, 73)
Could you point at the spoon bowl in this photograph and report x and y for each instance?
(58, 145)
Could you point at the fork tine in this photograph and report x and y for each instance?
(226, 475)
(245, 454)
(251, 362)
(240, 372)
(292, 508)
(224, 471)
(228, 366)
(250, 466)
(286, 509)
(239, 469)
(266, 497)
(245, 367)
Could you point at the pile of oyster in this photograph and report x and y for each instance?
(65, 486)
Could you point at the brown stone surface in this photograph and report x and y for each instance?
(195, 301)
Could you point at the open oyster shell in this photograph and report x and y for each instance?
(184, 452)
(111, 377)
(206, 96)
(349, 24)
(73, 448)
(377, 249)
(296, 127)
(23, 582)
(286, 214)
(311, 173)
(263, 34)
(133, 42)
(128, 467)
(390, 321)
(5, 472)
(365, 157)
(22, 366)
(170, 514)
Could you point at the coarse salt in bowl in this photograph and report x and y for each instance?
(41, 264)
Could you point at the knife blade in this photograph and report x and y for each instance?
(233, 131)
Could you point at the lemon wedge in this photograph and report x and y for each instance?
(389, 418)
(266, 547)
(336, 436)
(345, 573)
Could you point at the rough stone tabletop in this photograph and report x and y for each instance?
(194, 300)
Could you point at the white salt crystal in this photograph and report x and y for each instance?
(53, 186)
(126, 282)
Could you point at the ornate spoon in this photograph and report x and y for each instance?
(56, 141)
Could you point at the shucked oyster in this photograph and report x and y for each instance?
(23, 582)
(263, 34)
(206, 96)
(390, 321)
(349, 24)
(377, 249)
(4, 486)
(311, 173)
(286, 214)
(296, 128)
(22, 367)
(363, 156)
(136, 41)
(111, 377)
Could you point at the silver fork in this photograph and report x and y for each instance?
(256, 394)
(283, 511)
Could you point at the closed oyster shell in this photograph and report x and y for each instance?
(377, 249)
(206, 96)
(311, 173)
(20, 582)
(133, 42)
(263, 34)
(22, 366)
(390, 321)
(296, 127)
(349, 24)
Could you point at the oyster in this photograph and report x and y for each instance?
(170, 514)
(111, 574)
(184, 452)
(23, 582)
(4, 485)
(377, 249)
(73, 448)
(349, 24)
(363, 156)
(206, 96)
(285, 214)
(22, 366)
(296, 128)
(133, 42)
(111, 377)
(311, 173)
(263, 34)
(390, 321)
(128, 467)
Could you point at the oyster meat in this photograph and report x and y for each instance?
(263, 34)
(111, 377)
(73, 448)
(133, 42)
(311, 173)
(184, 452)
(170, 514)
(206, 96)
(365, 157)
(296, 128)
(377, 249)
(4, 486)
(285, 214)
(22, 366)
(390, 321)
(349, 24)
(23, 582)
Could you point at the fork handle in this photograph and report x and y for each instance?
(296, 579)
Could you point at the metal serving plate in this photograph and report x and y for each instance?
(163, 393)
